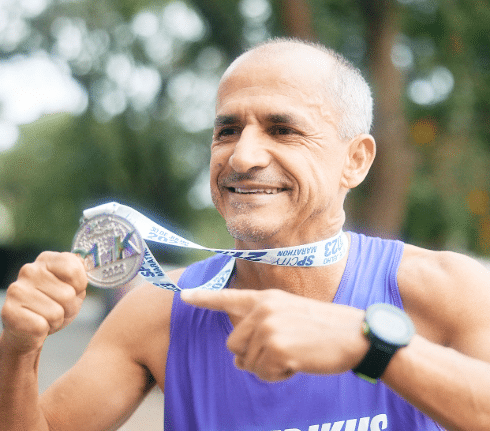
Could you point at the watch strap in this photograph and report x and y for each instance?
(377, 358)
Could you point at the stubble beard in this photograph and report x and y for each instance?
(244, 230)
(241, 226)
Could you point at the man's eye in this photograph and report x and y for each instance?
(228, 131)
(282, 130)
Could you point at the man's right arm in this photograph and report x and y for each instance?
(123, 361)
(47, 296)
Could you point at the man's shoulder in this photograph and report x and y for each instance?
(144, 306)
(438, 288)
(447, 267)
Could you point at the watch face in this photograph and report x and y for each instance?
(390, 324)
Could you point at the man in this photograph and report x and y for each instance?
(290, 140)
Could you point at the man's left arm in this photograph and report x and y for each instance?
(445, 370)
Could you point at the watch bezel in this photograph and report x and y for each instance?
(378, 331)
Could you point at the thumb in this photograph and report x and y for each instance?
(235, 302)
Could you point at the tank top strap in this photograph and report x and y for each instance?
(370, 275)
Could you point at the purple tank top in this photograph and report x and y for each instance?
(205, 392)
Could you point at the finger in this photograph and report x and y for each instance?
(249, 342)
(40, 285)
(265, 367)
(40, 277)
(271, 367)
(66, 267)
(238, 341)
(235, 302)
(23, 297)
(249, 360)
(26, 327)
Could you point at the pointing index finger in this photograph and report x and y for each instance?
(235, 302)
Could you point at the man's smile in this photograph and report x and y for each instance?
(248, 191)
(254, 184)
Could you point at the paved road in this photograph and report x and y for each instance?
(61, 351)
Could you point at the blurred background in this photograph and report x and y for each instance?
(114, 100)
(106, 100)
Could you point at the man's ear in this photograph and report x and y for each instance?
(358, 161)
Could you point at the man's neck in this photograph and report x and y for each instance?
(319, 282)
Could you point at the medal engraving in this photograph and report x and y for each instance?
(111, 248)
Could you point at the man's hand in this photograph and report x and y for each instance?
(47, 296)
(278, 334)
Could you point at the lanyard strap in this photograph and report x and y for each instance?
(321, 253)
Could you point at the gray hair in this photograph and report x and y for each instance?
(346, 88)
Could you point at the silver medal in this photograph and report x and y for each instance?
(112, 249)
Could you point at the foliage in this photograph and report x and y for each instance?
(448, 204)
(150, 76)
(441, 52)
(140, 147)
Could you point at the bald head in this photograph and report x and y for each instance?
(341, 84)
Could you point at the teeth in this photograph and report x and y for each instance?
(249, 191)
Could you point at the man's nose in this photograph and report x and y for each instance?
(250, 151)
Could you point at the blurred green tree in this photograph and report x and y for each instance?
(150, 70)
(428, 64)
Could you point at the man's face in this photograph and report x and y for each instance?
(276, 160)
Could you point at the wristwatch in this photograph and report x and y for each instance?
(387, 328)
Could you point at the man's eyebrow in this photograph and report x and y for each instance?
(282, 119)
(224, 120)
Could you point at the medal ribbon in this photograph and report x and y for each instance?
(321, 253)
